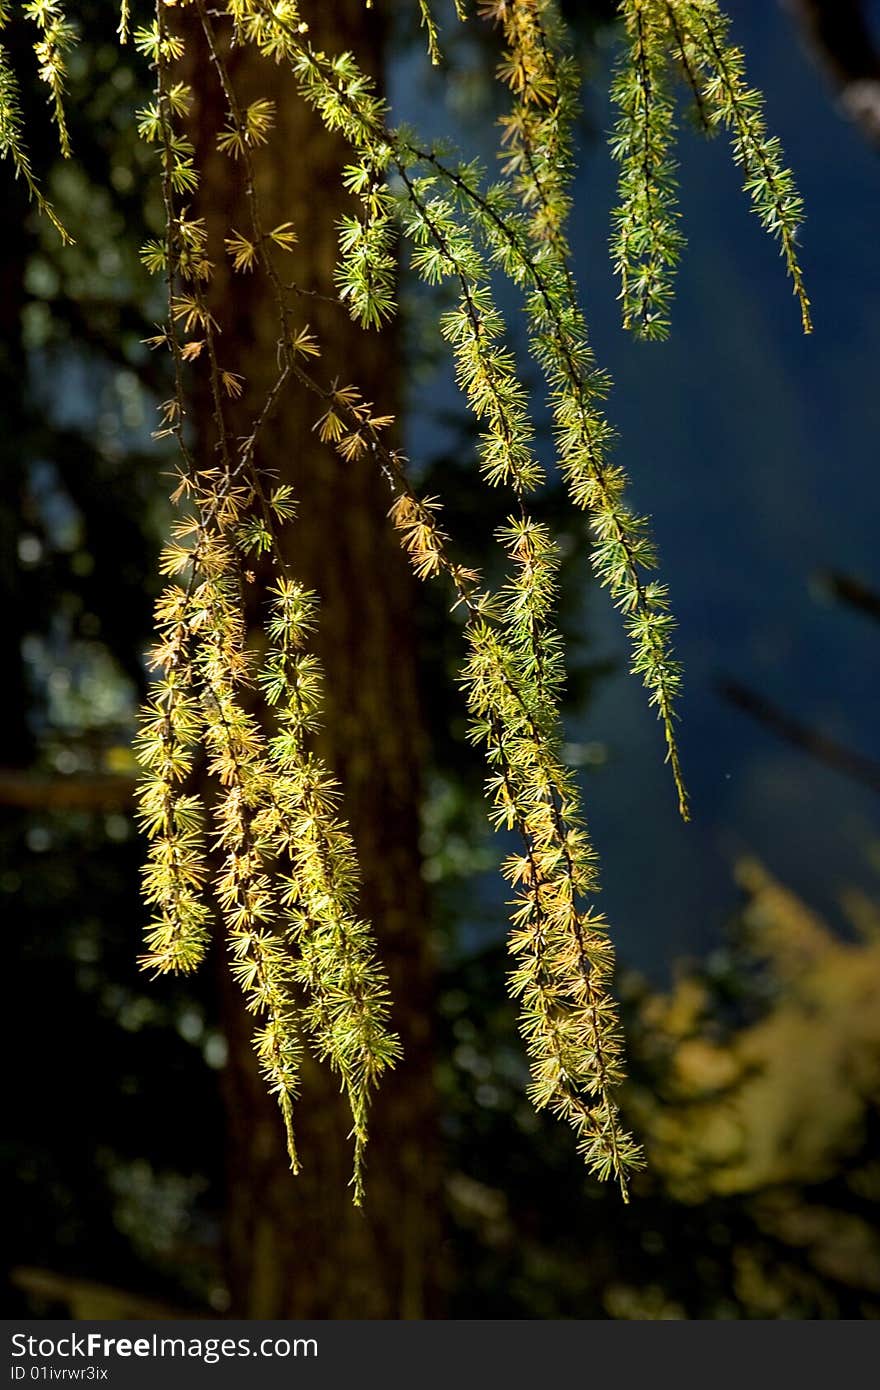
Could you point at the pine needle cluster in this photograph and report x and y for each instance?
(243, 819)
(231, 803)
(688, 41)
(55, 38)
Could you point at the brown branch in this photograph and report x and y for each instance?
(86, 1299)
(841, 34)
(857, 766)
(851, 591)
(34, 791)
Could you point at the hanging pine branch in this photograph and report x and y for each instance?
(57, 36)
(647, 241)
(243, 819)
(287, 881)
(689, 39)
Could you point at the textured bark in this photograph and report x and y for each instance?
(296, 1246)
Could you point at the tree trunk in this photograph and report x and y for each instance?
(296, 1246)
(16, 737)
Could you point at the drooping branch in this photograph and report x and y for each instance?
(264, 802)
(287, 883)
(821, 746)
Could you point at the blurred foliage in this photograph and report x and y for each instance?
(755, 1088)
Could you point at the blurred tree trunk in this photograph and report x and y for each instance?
(16, 739)
(296, 1246)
